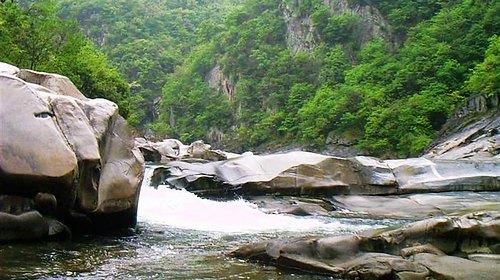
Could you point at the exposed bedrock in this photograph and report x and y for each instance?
(463, 247)
(472, 133)
(71, 155)
(303, 173)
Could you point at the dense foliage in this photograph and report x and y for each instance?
(384, 75)
(389, 92)
(34, 37)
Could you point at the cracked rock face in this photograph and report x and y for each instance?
(54, 140)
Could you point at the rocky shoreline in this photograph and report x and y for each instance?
(464, 247)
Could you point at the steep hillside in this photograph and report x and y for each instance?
(380, 77)
(147, 39)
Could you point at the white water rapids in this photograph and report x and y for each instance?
(181, 209)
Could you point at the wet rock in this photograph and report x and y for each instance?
(46, 204)
(57, 230)
(25, 227)
(292, 206)
(450, 267)
(15, 205)
(416, 206)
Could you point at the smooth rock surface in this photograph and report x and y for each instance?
(76, 153)
(416, 206)
(472, 133)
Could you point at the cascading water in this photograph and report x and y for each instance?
(181, 236)
(184, 210)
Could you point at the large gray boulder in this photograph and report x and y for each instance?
(56, 141)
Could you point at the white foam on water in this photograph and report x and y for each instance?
(185, 210)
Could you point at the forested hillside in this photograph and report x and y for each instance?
(381, 76)
(147, 39)
(384, 75)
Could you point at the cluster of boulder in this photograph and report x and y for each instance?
(452, 193)
(173, 149)
(67, 163)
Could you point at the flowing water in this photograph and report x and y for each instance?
(181, 236)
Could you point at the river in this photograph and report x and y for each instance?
(180, 236)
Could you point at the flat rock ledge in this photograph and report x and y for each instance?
(465, 247)
(310, 174)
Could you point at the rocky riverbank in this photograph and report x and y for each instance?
(452, 193)
(69, 164)
(464, 247)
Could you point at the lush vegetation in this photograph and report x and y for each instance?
(384, 75)
(390, 94)
(147, 39)
(34, 37)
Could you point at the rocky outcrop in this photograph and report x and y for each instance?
(472, 133)
(431, 248)
(58, 142)
(216, 79)
(300, 30)
(302, 173)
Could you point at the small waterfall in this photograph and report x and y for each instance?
(184, 210)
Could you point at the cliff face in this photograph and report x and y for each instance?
(299, 30)
(301, 33)
(216, 79)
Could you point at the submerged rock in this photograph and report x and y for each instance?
(428, 248)
(77, 154)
